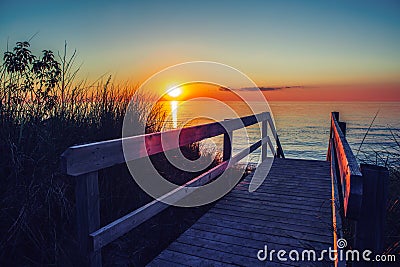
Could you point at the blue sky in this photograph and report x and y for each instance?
(274, 42)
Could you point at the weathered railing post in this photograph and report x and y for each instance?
(279, 150)
(342, 125)
(264, 133)
(227, 149)
(88, 215)
(370, 226)
(336, 115)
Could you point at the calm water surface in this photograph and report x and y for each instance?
(303, 127)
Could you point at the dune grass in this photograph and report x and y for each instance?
(43, 110)
(389, 157)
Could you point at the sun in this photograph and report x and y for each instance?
(174, 92)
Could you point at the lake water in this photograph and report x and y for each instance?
(303, 127)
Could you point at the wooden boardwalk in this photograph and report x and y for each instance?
(290, 210)
(298, 207)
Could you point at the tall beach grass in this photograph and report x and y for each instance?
(44, 109)
(388, 156)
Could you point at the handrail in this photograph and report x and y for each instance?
(81, 159)
(360, 191)
(84, 162)
(336, 209)
(349, 174)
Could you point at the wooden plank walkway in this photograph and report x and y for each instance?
(290, 210)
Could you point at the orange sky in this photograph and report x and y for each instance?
(351, 46)
(338, 93)
(368, 92)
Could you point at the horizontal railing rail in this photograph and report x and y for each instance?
(86, 158)
(84, 162)
(359, 196)
(349, 175)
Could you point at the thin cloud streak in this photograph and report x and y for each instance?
(261, 88)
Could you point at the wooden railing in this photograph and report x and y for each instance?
(84, 161)
(358, 194)
(348, 171)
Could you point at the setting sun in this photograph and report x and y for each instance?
(174, 92)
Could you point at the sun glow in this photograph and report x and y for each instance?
(174, 92)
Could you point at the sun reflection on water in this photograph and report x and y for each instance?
(174, 112)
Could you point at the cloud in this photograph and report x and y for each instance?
(259, 88)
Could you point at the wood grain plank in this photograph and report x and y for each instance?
(269, 198)
(273, 207)
(284, 240)
(292, 193)
(233, 249)
(317, 225)
(278, 205)
(160, 262)
(277, 230)
(189, 259)
(279, 197)
(87, 216)
(272, 222)
(283, 212)
(220, 256)
(269, 212)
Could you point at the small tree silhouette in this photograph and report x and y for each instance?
(29, 82)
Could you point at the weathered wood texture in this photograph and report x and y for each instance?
(290, 210)
(88, 216)
(279, 149)
(227, 149)
(119, 227)
(336, 211)
(362, 193)
(264, 133)
(370, 226)
(349, 175)
(83, 162)
(81, 159)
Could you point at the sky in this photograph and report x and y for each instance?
(328, 48)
